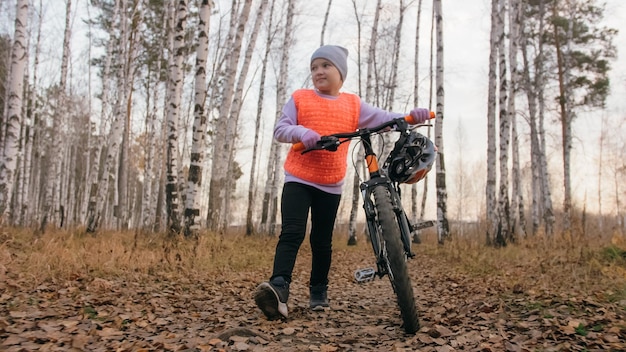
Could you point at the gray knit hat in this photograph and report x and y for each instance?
(338, 55)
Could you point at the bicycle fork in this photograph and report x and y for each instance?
(378, 179)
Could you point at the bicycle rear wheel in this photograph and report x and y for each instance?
(396, 259)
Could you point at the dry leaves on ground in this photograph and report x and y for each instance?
(181, 312)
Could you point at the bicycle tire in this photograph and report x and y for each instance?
(399, 274)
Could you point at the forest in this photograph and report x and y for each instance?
(140, 180)
(163, 122)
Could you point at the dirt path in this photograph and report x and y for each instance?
(200, 313)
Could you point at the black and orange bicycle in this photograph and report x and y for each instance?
(388, 225)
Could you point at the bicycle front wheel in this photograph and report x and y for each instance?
(396, 258)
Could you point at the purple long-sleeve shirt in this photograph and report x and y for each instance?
(287, 130)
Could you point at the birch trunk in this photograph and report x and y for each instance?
(548, 212)
(26, 209)
(23, 194)
(148, 203)
(371, 56)
(397, 44)
(490, 189)
(91, 131)
(19, 167)
(250, 229)
(518, 224)
(13, 111)
(414, 205)
(356, 194)
(416, 238)
(535, 151)
(175, 75)
(504, 211)
(443, 230)
(194, 180)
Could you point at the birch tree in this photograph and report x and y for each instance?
(518, 223)
(274, 168)
(175, 77)
(490, 189)
(414, 210)
(250, 229)
(13, 112)
(27, 202)
(356, 193)
(194, 180)
(370, 80)
(431, 77)
(504, 211)
(443, 230)
(91, 132)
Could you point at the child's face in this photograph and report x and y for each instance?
(325, 76)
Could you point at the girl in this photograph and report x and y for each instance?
(314, 181)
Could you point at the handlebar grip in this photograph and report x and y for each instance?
(410, 120)
(298, 147)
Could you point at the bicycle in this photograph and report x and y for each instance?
(388, 225)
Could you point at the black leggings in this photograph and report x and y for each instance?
(296, 201)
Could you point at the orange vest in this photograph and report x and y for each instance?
(325, 116)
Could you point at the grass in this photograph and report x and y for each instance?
(66, 255)
(592, 267)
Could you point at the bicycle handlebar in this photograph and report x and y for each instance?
(332, 141)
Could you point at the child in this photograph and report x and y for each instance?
(313, 181)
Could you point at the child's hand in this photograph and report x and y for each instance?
(420, 115)
(310, 138)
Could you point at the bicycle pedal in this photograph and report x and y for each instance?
(364, 275)
(423, 225)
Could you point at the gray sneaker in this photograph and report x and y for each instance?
(319, 297)
(271, 297)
